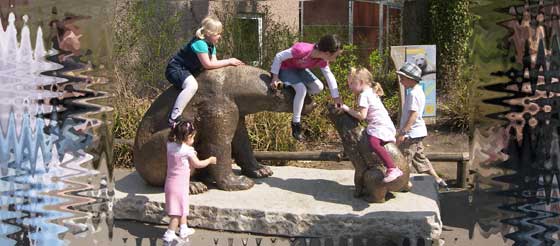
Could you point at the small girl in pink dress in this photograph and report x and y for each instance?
(181, 157)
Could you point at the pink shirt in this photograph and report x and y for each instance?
(301, 58)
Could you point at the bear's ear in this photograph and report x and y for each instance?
(265, 77)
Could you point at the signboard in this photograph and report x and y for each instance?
(425, 57)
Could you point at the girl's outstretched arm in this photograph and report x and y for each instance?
(196, 163)
(331, 81)
(209, 63)
(359, 114)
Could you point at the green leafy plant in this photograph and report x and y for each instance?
(452, 23)
(149, 32)
(146, 34)
(384, 72)
(452, 31)
(127, 114)
(456, 106)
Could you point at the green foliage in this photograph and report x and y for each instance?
(452, 31)
(148, 33)
(383, 71)
(452, 23)
(270, 131)
(376, 63)
(123, 156)
(236, 43)
(127, 114)
(457, 106)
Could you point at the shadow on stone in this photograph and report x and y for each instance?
(129, 184)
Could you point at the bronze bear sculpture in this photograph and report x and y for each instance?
(224, 97)
(369, 170)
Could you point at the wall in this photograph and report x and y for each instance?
(283, 11)
(325, 12)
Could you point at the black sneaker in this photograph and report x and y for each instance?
(297, 131)
(172, 122)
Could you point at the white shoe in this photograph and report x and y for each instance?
(185, 232)
(169, 236)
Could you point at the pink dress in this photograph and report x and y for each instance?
(177, 179)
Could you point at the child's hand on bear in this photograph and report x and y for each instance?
(235, 62)
(338, 102)
(277, 85)
(213, 160)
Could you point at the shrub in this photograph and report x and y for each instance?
(123, 155)
(147, 34)
(128, 112)
(127, 115)
(456, 105)
(453, 27)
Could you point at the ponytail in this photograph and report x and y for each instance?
(200, 33)
(378, 89)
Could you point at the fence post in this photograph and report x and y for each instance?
(462, 173)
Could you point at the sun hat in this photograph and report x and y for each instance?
(410, 70)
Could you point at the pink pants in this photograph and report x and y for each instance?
(376, 145)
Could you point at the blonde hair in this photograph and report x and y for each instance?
(209, 26)
(362, 74)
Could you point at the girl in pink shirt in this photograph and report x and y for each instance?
(291, 67)
(181, 157)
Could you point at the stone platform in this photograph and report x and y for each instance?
(294, 202)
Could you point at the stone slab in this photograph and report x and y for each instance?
(294, 202)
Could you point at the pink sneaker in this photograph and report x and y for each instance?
(392, 174)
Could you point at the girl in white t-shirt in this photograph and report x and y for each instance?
(380, 129)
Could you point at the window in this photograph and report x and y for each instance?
(248, 38)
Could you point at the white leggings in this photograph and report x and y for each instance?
(301, 90)
(190, 86)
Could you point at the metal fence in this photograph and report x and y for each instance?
(367, 24)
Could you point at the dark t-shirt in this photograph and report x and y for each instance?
(187, 55)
